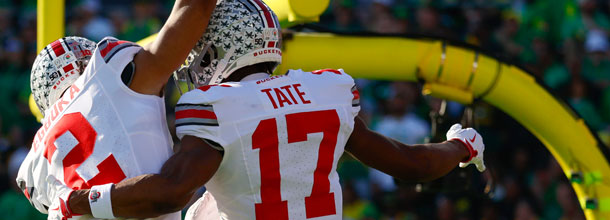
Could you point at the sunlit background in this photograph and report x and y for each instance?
(564, 43)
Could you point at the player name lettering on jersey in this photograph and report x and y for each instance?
(286, 96)
(55, 111)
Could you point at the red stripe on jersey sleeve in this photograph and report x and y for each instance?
(192, 113)
(207, 87)
(318, 72)
(356, 95)
(111, 44)
(58, 48)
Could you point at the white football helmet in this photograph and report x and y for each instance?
(240, 33)
(57, 66)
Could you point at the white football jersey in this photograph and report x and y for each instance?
(99, 132)
(281, 136)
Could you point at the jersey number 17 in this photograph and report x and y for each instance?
(321, 202)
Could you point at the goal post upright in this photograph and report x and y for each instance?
(50, 21)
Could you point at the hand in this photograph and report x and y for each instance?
(59, 209)
(473, 142)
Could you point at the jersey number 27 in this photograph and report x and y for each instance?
(321, 202)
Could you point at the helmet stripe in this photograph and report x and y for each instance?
(269, 18)
(249, 6)
(48, 52)
(260, 5)
(58, 48)
(267, 14)
(68, 44)
(274, 17)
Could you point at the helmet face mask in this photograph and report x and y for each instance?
(56, 67)
(240, 33)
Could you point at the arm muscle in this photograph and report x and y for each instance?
(156, 62)
(151, 195)
(422, 162)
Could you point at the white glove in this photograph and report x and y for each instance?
(473, 141)
(59, 209)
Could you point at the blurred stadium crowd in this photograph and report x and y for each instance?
(563, 42)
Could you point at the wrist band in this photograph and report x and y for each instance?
(471, 151)
(99, 201)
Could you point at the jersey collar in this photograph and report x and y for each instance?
(255, 76)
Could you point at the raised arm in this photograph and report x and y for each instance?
(421, 162)
(151, 195)
(157, 61)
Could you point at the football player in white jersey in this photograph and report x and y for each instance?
(104, 112)
(267, 147)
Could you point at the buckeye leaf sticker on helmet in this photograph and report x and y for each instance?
(56, 67)
(240, 33)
